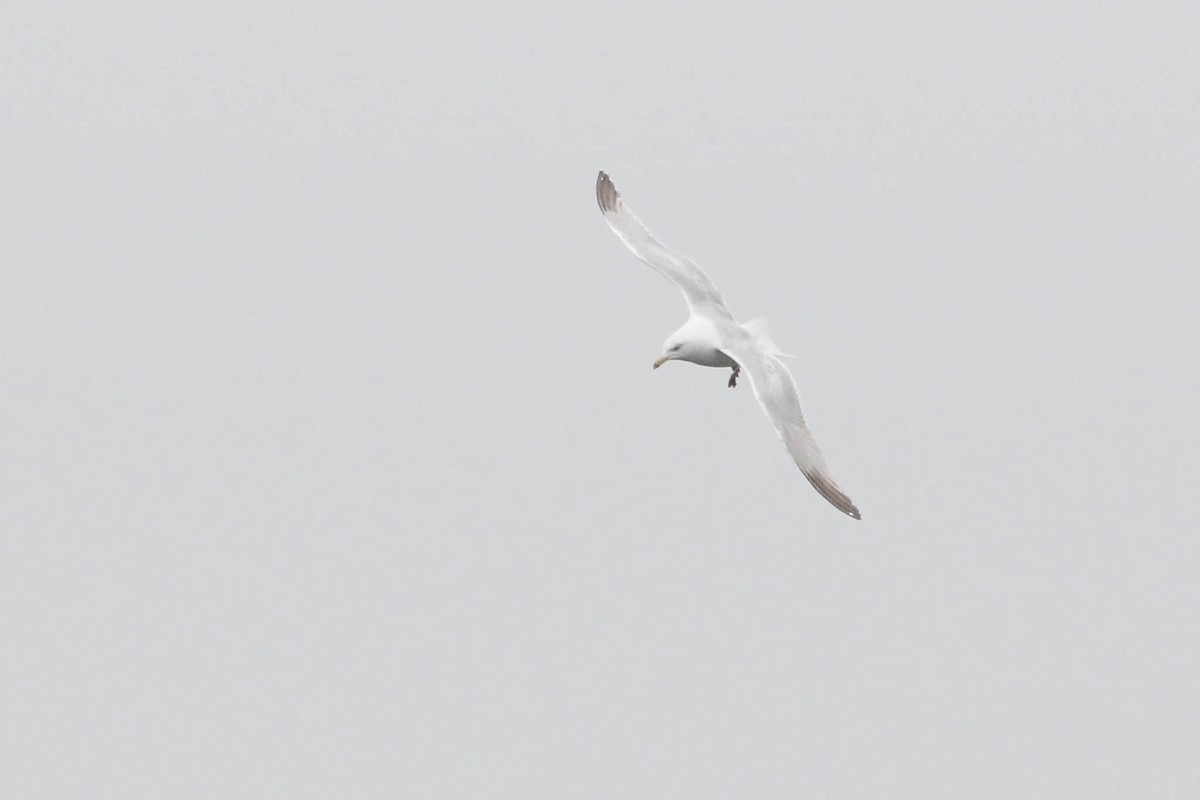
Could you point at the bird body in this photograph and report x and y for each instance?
(711, 337)
(699, 341)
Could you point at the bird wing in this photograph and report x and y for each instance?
(776, 392)
(698, 291)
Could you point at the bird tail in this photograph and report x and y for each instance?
(758, 329)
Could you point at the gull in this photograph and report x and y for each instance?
(713, 338)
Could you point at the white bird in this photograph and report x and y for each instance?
(713, 338)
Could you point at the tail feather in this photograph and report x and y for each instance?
(758, 329)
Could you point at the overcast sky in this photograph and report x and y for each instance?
(334, 464)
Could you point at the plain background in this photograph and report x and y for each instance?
(334, 466)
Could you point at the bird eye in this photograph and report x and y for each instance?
(675, 348)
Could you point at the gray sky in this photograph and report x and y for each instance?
(334, 464)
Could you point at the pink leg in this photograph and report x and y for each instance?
(733, 378)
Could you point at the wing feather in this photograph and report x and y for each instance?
(776, 392)
(698, 291)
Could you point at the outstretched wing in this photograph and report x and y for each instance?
(776, 393)
(699, 292)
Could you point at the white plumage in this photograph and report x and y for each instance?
(713, 338)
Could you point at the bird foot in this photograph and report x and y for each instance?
(733, 378)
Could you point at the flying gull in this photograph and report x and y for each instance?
(713, 338)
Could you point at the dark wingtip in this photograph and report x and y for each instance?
(830, 491)
(606, 193)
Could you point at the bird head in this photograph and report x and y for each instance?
(673, 349)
